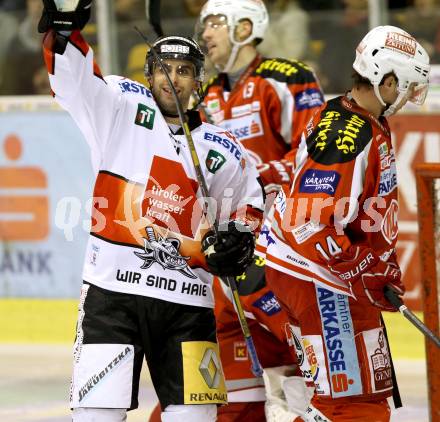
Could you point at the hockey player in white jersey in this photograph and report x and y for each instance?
(147, 285)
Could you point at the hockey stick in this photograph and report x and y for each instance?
(152, 8)
(397, 302)
(256, 367)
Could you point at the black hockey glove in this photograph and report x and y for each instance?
(230, 252)
(64, 15)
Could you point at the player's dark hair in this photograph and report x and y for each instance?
(359, 80)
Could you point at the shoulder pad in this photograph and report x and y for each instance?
(339, 136)
(283, 70)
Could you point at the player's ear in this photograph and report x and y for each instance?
(196, 85)
(390, 81)
(243, 29)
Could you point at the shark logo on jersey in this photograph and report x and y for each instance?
(165, 252)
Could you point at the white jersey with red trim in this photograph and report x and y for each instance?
(147, 222)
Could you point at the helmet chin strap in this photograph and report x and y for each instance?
(228, 66)
(390, 109)
(234, 52)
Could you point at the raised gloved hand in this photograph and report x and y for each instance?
(230, 252)
(367, 275)
(64, 15)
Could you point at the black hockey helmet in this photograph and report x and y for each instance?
(176, 47)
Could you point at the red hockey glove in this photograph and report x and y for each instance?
(367, 275)
(274, 174)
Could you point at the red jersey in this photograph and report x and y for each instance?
(267, 108)
(344, 192)
(269, 327)
(266, 111)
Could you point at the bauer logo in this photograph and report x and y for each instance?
(308, 98)
(145, 116)
(268, 304)
(319, 181)
(214, 161)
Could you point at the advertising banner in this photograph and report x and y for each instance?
(417, 140)
(46, 184)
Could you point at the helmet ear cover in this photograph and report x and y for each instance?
(178, 48)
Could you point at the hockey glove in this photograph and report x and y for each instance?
(64, 15)
(367, 275)
(229, 252)
(274, 174)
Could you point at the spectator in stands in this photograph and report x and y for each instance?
(193, 7)
(422, 20)
(12, 5)
(309, 5)
(10, 13)
(129, 10)
(23, 55)
(288, 33)
(340, 36)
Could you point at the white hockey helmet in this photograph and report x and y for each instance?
(389, 49)
(234, 11)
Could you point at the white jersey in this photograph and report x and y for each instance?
(147, 223)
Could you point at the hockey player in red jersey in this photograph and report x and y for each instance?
(147, 291)
(331, 247)
(265, 103)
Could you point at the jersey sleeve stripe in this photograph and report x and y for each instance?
(48, 54)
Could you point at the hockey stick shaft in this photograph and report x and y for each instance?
(395, 300)
(257, 370)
